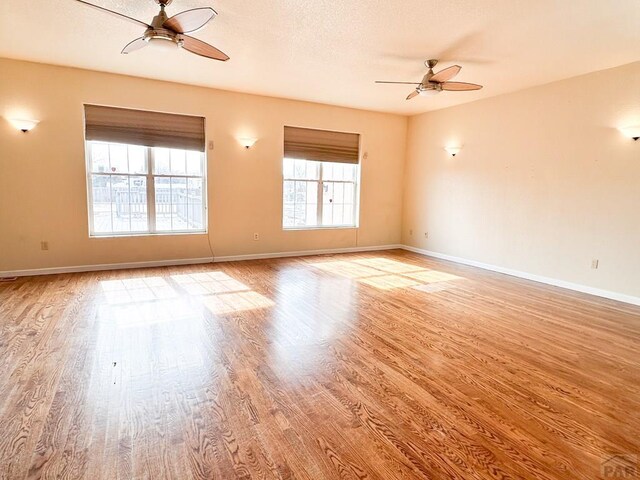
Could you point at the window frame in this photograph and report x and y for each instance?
(151, 203)
(319, 202)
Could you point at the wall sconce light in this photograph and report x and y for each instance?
(453, 151)
(247, 142)
(23, 125)
(631, 132)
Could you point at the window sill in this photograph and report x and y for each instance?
(295, 229)
(146, 234)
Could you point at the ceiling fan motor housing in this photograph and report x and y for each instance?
(157, 32)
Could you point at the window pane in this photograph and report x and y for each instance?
(327, 214)
(99, 157)
(138, 203)
(288, 191)
(300, 169)
(163, 203)
(337, 214)
(300, 197)
(288, 215)
(178, 190)
(312, 192)
(350, 172)
(301, 213)
(195, 204)
(337, 172)
(101, 203)
(119, 202)
(327, 171)
(179, 212)
(162, 165)
(287, 167)
(349, 193)
(194, 163)
(338, 191)
(120, 209)
(137, 159)
(179, 204)
(312, 215)
(178, 162)
(313, 169)
(118, 158)
(348, 215)
(179, 217)
(301, 192)
(327, 193)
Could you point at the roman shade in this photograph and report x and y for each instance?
(139, 127)
(321, 145)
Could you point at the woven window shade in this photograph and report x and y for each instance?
(138, 127)
(321, 145)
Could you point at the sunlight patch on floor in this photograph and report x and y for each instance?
(386, 274)
(347, 269)
(235, 302)
(208, 282)
(139, 299)
(140, 289)
(221, 293)
(391, 266)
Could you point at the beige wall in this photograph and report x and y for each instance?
(544, 184)
(43, 182)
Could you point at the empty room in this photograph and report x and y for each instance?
(302, 239)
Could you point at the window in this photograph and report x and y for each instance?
(320, 179)
(144, 190)
(146, 172)
(319, 194)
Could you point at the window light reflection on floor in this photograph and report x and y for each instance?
(217, 291)
(386, 274)
(220, 293)
(136, 290)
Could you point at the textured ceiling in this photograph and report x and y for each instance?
(331, 51)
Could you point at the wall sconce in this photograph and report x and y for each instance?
(23, 125)
(247, 142)
(631, 132)
(453, 151)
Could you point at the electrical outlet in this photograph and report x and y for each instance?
(426, 234)
(210, 144)
(411, 232)
(44, 245)
(594, 263)
(256, 236)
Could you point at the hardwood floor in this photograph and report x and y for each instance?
(382, 365)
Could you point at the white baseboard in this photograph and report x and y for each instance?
(189, 261)
(303, 253)
(621, 297)
(260, 256)
(105, 266)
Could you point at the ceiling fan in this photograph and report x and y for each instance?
(164, 29)
(434, 83)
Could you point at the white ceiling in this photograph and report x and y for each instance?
(331, 51)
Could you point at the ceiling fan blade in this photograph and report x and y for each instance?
(203, 49)
(413, 94)
(190, 20)
(403, 83)
(137, 44)
(115, 13)
(460, 86)
(446, 74)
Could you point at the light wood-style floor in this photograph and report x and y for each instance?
(382, 365)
